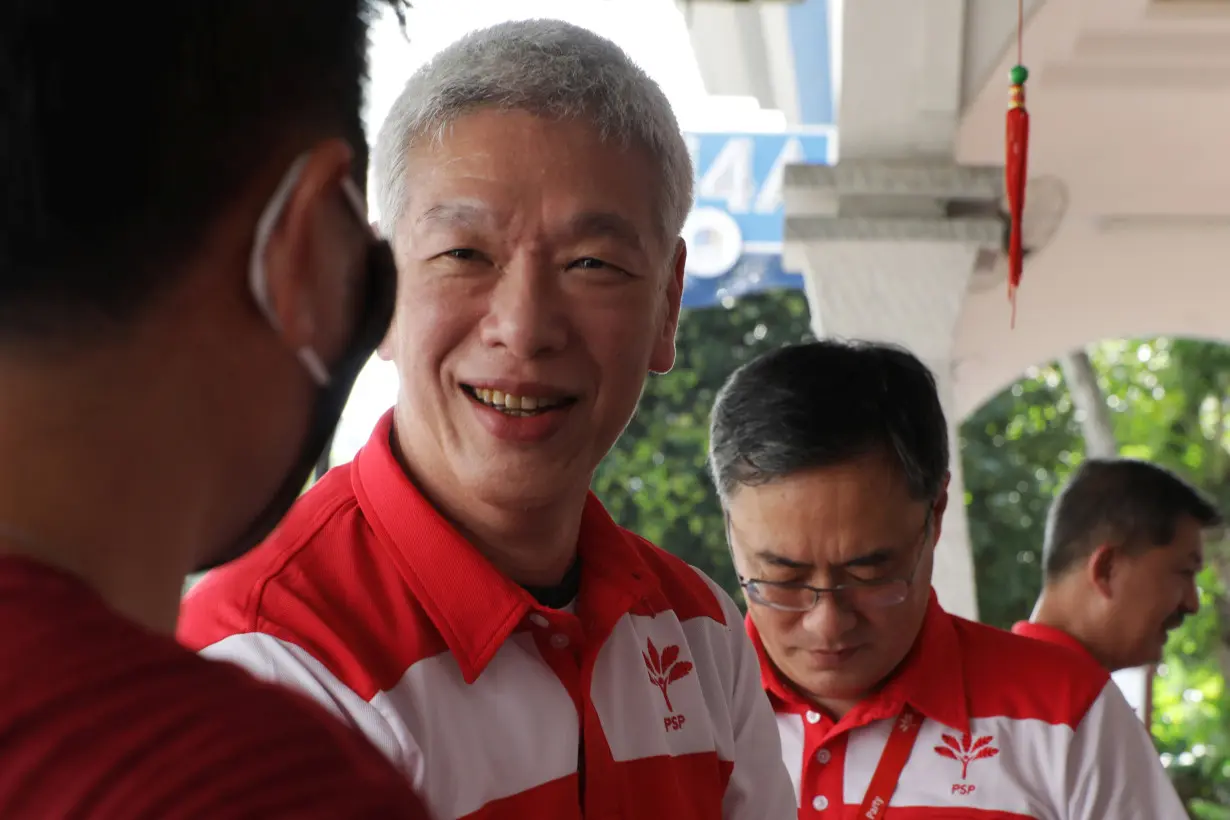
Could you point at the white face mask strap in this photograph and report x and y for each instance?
(258, 279)
(355, 197)
(314, 366)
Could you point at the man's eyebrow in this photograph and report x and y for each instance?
(874, 558)
(605, 224)
(775, 560)
(461, 213)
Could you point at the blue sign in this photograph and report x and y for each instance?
(734, 232)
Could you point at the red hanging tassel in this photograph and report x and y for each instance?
(1017, 144)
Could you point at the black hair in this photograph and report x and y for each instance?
(824, 403)
(1133, 504)
(127, 129)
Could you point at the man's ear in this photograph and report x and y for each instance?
(385, 350)
(662, 359)
(937, 511)
(1100, 567)
(298, 243)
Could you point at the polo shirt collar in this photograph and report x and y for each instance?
(781, 694)
(473, 606)
(1050, 634)
(931, 678)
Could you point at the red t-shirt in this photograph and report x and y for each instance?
(103, 720)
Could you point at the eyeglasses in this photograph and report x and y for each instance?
(788, 596)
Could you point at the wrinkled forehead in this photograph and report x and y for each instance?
(514, 162)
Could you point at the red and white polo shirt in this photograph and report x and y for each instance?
(1012, 728)
(641, 700)
(1051, 635)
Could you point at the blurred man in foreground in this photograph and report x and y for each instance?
(832, 463)
(1124, 543)
(456, 592)
(188, 287)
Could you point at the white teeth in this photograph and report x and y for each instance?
(518, 405)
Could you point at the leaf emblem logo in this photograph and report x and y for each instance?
(665, 669)
(966, 750)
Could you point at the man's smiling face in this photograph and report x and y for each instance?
(536, 293)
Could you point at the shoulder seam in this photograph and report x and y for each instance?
(315, 522)
(724, 602)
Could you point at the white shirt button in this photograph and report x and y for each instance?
(538, 620)
(813, 717)
(823, 756)
(820, 802)
(559, 640)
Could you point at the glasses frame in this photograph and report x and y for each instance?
(841, 592)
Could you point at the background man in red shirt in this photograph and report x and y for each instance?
(188, 287)
(1124, 543)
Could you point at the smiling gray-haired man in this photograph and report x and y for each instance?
(456, 592)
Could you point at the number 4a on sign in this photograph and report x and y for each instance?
(731, 177)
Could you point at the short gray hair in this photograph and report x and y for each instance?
(545, 67)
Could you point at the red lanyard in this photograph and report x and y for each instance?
(892, 761)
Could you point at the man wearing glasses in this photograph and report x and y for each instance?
(832, 463)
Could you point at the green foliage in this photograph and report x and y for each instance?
(1017, 450)
(655, 481)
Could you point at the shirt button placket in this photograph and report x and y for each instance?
(813, 721)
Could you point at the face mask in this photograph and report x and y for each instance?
(374, 312)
